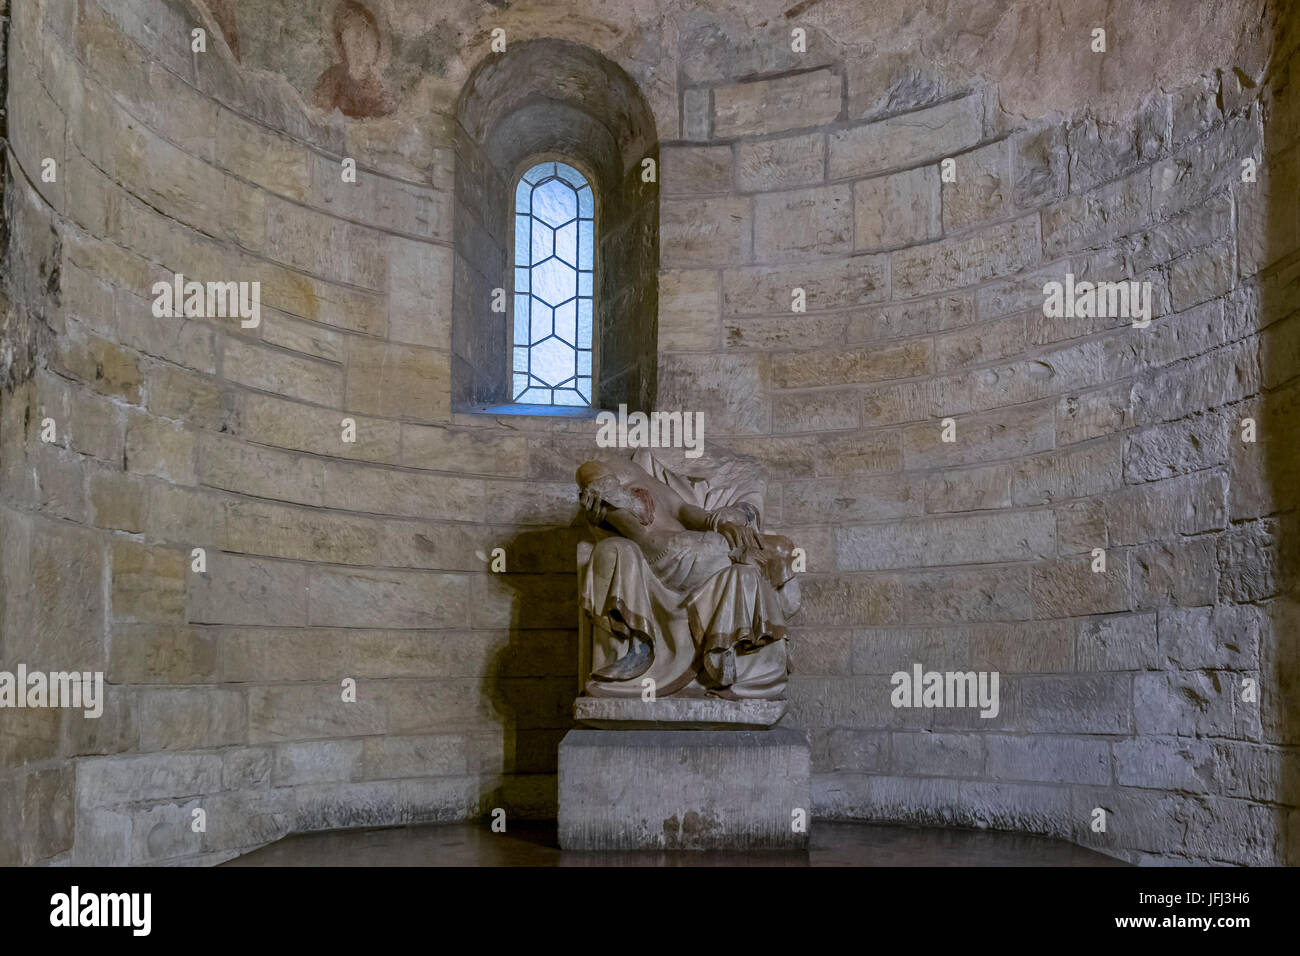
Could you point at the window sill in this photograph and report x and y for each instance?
(533, 411)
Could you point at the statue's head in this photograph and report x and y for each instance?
(621, 484)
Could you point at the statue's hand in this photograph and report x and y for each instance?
(593, 504)
(740, 535)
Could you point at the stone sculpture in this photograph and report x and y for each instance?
(682, 593)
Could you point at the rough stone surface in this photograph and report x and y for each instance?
(683, 789)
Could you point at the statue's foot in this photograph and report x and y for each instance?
(631, 665)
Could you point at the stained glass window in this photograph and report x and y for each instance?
(554, 263)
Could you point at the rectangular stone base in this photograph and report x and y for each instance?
(684, 789)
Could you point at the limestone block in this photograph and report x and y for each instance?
(106, 781)
(688, 310)
(398, 381)
(773, 106)
(695, 170)
(982, 190)
(1049, 759)
(1067, 473)
(268, 420)
(897, 210)
(374, 598)
(1179, 572)
(1117, 643)
(161, 654)
(1068, 587)
(804, 222)
(1038, 164)
(907, 140)
(712, 231)
(1006, 433)
(828, 284)
(969, 489)
(473, 450)
(936, 755)
(1097, 217)
(954, 263)
(148, 583)
(298, 711)
(962, 539)
(844, 366)
(814, 411)
(314, 761)
(419, 293)
(657, 789)
(781, 163)
(727, 388)
(160, 448)
(190, 718)
(1091, 704)
(1189, 504)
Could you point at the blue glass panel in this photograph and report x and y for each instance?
(521, 240)
(539, 172)
(552, 361)
(542, 242)
(553, 281)
(541, 322)
(521, 320)
(570, 175)
(555, 203)
(565, 316)
(566, 243)
(553, 304)
(585, 244)
(584, 324)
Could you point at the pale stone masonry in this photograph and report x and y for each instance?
(370, 559)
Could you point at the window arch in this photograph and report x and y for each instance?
(553, 101)
(554, 240)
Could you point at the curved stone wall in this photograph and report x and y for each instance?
(328, 559)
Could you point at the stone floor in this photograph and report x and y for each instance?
(531, 844)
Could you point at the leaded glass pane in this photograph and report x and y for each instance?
(552, 331)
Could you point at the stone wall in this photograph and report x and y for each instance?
(819, 171)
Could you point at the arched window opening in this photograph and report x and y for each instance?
(555, 277)
(554, 286)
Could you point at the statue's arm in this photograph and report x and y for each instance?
(732, 522)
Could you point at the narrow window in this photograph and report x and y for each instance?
(554, 264)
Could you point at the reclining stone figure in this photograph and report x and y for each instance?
(682, 588)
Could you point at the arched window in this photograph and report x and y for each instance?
(554, 271)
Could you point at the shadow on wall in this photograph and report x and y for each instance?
(531, 695)
(1270, 548)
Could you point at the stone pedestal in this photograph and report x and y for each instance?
(684, 789)
(677, 713)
